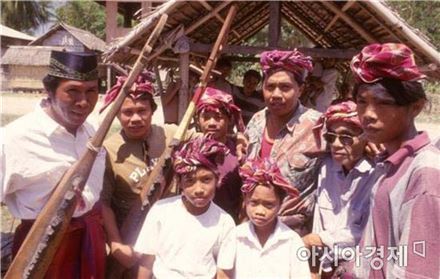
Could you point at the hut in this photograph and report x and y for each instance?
(337, 29)
(9, 36)
(25, 66)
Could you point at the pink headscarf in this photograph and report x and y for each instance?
(390, 60)
(292, 61)
(199, 152)
(142, 85)
(264, 172)
(216, 100)
(345, 111)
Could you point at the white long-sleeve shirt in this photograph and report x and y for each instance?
(36, 153)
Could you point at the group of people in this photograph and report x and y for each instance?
(349, 193)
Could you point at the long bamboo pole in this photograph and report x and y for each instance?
(39, 247)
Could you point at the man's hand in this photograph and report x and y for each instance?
(124, 254)
(312, 239)
(241, 148)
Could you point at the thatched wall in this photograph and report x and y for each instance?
(24, 78)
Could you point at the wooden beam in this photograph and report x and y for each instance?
(251, 50)
(184, 86)
(347, 19)
(207, 17)
(217, 16)
(274, 23)
(396, 24)
(336, 17)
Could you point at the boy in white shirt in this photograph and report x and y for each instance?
(266, 248)
(184, 236)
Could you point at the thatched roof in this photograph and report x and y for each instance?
(28, 55)
(11, 33)
(344, 26)
(85, 37)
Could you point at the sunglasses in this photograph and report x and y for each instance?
(344, 139)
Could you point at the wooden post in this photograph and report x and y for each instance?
(158, 80)
(111, 12)
(182, 48)
(109, 77)
(274, 23)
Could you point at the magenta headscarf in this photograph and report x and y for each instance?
(390, 60)
(292, 61)
(345, 111)
(215, 100)
(200, 152)
(142, 85)
(264, 172)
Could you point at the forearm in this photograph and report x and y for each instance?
(146, 267)
(110, 224)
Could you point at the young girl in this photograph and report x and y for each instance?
(402, 230)
(266, 248)
(344, 186)
(184, 236)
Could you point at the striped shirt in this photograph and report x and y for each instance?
(404, 220)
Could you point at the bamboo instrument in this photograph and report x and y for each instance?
(39, 247)
(152, 190)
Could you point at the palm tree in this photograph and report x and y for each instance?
(24, 15)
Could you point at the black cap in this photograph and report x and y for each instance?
(73, 65)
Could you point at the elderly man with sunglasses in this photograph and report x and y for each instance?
(344, 186)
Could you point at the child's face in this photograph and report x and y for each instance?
(215, 123)
(345, 145)
(262, 206)
(198, 189)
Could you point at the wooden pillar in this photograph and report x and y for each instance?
(146, 8)
(109, 77)
(111, 12)
(182, 48)
(274, 23)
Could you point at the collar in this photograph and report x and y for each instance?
(50, 126)
(247, 231)
(290, 126)
(409, 148)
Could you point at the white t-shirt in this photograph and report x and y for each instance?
(185, 245)
(37, 151)
(277, 259)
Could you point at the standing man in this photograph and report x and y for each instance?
(131, 154)
(283, 130)
(247, 97)
(41, 146)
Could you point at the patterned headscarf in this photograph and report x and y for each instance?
(200, 152)
(292, 61)
(264, 172)
(217, 100)
(390, 60)
(142, 85)
(345, 111)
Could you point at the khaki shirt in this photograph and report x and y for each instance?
(127, 162)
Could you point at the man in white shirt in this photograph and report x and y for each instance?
(40, 147)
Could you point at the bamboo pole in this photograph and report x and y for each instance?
(356, 27)
(396, 24)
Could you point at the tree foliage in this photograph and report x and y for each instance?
(24, 15)
(84, 14)
(423, 15)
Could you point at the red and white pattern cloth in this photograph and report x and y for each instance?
(291, 61)
(217, 100)
(264, 172)
(390, 60)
